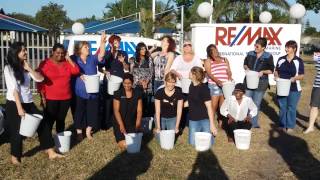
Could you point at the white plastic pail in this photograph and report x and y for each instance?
(92, 83)
(167, 139)
(202, 141)
(283, 87)
(227, 88)
(252, 79)
(114, 83)
(242, 138)
(133, 142)
(29, 124)
(63, 141)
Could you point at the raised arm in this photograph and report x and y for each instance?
(102, 47)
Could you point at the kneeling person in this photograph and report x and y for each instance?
(239, 109)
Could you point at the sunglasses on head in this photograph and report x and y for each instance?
(185, 45)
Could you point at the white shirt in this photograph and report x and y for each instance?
(23, 89)
(238, 111)
(183, 67)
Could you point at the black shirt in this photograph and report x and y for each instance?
(128, 106)
(168, 104)
(197, 97)
(113, 65)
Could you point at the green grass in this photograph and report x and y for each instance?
(272, 155)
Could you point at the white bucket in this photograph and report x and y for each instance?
(184, 83)
(114, 83)
(252, 79)
(202, 141)
(146, 124)
(29, 124)
(62, 141)
(283, 87)
(92, 83)
(133, 142)
(167, 139)
(242, 138)
(227, 88)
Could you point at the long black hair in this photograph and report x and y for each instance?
(14, 62)
(137, 54)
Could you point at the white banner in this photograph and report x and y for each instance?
(234, 41)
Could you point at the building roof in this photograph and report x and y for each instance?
(11, 24)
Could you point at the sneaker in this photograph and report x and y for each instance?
(309, 130)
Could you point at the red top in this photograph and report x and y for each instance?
(57, 82)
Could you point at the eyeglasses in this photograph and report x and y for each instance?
(185, 45)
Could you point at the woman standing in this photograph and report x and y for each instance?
(314, 100)
(127, 109)
(55, 90)
(18, 73)
(290, 67)
(87, 104)
(163, 60)
(168, 104)
(218, 71)
(200, 108)
(142, 71)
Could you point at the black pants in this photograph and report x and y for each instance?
(107, 111)
(86, 113)
(14, 120)
(56, 111)
(237, 125)
(129, 126)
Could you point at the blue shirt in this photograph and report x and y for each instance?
(88, 68)
(287, 70)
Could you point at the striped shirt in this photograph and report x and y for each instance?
(316, 82)
(219, 71)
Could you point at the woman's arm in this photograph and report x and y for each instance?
(117, 115)
(229, 70)
(158, 109)
(207, 67)
(102, 47)
(210, 114)
(36, 76)
(169, 62)
(139, 114)
(179, 114)
(20, 109)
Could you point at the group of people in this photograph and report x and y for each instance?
(149, 88)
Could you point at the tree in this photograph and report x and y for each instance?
(310, 31)
(311, 5)
(23, 17)
(87, 19)
(53, 17)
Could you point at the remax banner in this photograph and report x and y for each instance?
(234, 41)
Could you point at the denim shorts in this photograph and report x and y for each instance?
(215, 90)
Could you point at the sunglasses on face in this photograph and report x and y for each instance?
(185, 45)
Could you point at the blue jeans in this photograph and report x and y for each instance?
(198, 126)
(288, 109)
(257, 97)
(168, 123)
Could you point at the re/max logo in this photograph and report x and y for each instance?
(229, 36)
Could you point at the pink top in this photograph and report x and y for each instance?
(219, 71)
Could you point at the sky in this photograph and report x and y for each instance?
(86, 8)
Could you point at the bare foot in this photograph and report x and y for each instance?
(89, 136)
(53, 155)
(309, 130)
(15, 160)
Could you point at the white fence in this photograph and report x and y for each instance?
(39, 47)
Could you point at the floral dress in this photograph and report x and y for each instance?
(142, 71)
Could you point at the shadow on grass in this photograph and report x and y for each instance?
(295, 153)
(207, 167)
(305, 119)
(128, 166)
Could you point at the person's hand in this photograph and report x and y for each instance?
(21, 112)
(122, 129)
(26, 66)
(260, 73)
(103, 37)
(138, 127)
(247, 119)
(107, 74)
(230, 119)
(157, 130)
(177, 130)
(213, 130)
(219, 83)
(82, 77)
(121, 58)
(293, 79)
(43, 102)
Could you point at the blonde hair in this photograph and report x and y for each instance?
(79, 46)
(170, 76)
(198, 73)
